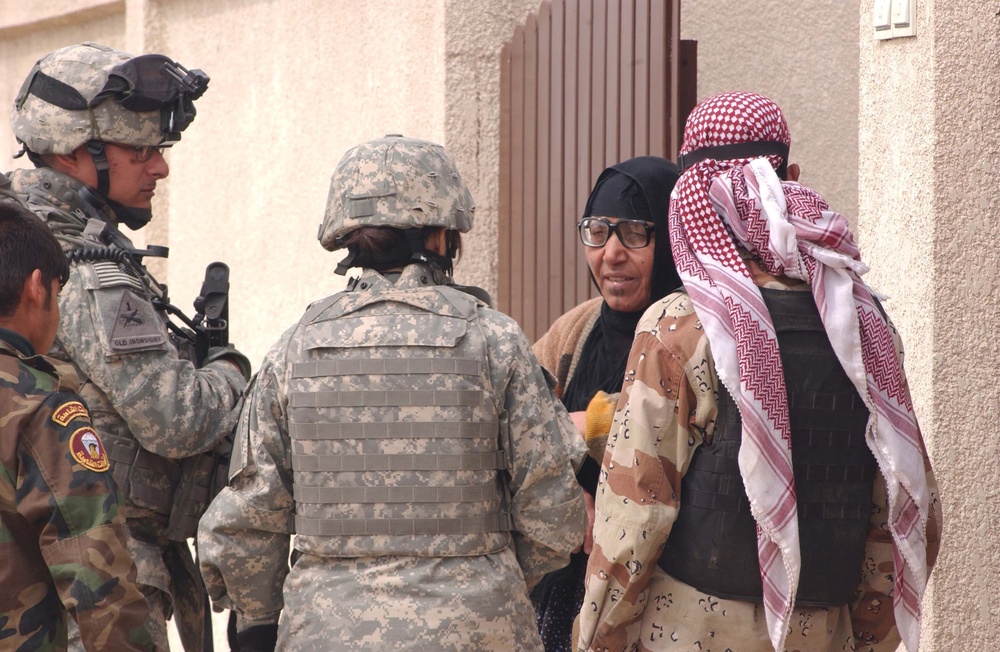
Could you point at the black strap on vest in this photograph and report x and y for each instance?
(737, 150)
(713, 544)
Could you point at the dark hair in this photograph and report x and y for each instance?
(26, 244)
(389, 245)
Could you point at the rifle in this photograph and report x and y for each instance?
(210, 326)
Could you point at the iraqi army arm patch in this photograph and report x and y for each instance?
(88, 450)
(69, 411)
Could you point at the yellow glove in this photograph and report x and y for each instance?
(600, 413)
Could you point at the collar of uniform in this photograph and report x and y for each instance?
(58, 190)
(413, 276)
(16, 342)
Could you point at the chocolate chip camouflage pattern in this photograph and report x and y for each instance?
(48, 129)
(395, 181)
(435, 592)
(141, 393)
(63, 543)
(667, 409)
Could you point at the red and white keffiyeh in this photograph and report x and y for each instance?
(789, 228)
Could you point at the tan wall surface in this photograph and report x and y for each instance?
(474, 33)
(802, 55)
(930, 138)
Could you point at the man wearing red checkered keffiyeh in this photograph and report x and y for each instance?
(775, 345)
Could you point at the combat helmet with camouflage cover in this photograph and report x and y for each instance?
(93, 95)
(90, 92)
(398, 182)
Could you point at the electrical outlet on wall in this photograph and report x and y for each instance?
(894, 18)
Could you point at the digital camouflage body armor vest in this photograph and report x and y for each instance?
(394, 425)
(713, 544)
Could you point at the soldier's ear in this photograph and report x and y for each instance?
(437, 242)
(74, 164)
(34, 293)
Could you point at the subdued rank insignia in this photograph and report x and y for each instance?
(135, 327)
(69, 411)
(88, 450)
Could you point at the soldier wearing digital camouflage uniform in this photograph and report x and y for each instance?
(94, 122)
(404, 432)
(63, 543)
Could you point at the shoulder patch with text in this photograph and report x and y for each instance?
(88, 450)
(69, 411)
(135, 326)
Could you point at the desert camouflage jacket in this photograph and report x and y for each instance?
(253, 518)
(666, 410)
(63, 543)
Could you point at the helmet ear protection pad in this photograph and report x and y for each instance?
(145, 83)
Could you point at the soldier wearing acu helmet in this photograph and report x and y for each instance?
(94, 121)
(405, 434)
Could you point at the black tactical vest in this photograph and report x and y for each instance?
(713, 545)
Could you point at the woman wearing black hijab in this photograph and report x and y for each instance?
(624, 233)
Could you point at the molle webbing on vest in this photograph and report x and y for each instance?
(404, 526)
(713, 544)
(402, 398)
(387, 366)
(393, 430)
(396, 436)
(491, 461)
(463, 494)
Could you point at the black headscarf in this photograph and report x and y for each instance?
(636, 189)
(639, 189)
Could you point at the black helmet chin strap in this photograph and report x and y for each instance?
(405, 253)
(420, 253)
(96, 149)
(132, 217)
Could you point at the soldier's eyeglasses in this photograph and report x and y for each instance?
(144, 152)
(595, 231)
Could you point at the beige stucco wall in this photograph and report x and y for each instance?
(294, 84)
(930, 144)
(804, 56)
(901, 136)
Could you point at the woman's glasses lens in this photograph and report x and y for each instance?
(595, 231)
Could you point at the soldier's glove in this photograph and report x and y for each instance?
(258, 638)
(230, 354)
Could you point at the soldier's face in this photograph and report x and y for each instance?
(623, 275)
(133, 182)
